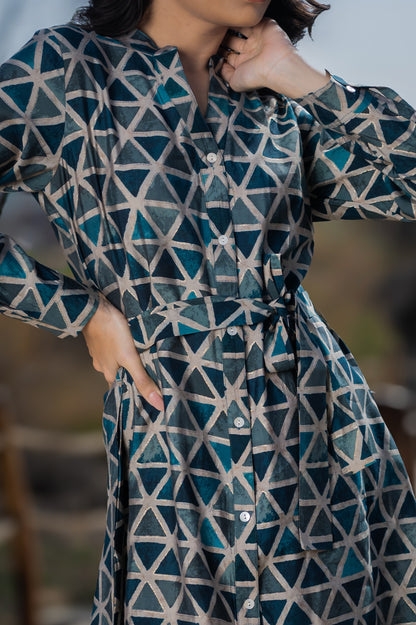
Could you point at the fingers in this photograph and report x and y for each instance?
(111, 346)
(232, 44)
(240, 33)
(245, 31)
(142, 380)
(231, 57)
(107, 369)
(227, 71)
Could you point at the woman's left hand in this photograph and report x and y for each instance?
(267, 58)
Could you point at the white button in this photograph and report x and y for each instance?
(248, 604)
(232, 330)
(239, 422)
(349, 88)
(245, 517)
(288, 296)
(223, 239)
(211, 157)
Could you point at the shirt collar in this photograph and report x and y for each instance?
(141, 37)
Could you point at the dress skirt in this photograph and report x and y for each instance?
(204, 520)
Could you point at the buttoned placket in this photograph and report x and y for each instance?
(222, 255)
(242, 476)
(241, 473)
(236, 399)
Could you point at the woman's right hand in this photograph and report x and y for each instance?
(111, 346)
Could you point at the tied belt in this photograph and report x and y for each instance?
(288, 344)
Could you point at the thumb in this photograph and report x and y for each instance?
(227, 71)
(143, 382)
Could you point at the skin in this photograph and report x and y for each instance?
(266, 58)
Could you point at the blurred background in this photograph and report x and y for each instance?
(362, 280)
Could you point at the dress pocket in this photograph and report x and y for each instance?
(112, 387)
(149, 359)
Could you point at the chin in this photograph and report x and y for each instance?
(252, 14)
(244, 21)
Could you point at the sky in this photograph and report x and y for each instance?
(367, 42)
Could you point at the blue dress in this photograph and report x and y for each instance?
(268, 491)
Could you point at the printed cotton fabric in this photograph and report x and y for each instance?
(268, 491)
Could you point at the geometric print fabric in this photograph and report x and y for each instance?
(268, 491)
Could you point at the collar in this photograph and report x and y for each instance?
(148, 45)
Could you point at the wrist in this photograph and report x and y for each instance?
(294, 78)
(100, 315)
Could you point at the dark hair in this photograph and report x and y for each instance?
(114, 17)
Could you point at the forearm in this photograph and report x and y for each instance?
(42, 296)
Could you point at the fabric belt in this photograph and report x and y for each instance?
(216, 312)
(282, 317)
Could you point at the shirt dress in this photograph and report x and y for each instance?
(268, 491)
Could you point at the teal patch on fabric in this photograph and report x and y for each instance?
(339, 156)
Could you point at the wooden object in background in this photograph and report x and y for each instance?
(18, 508)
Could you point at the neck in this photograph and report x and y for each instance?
(195, 39)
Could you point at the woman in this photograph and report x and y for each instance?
(251, 477)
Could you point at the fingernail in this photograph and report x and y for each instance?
(156, 399)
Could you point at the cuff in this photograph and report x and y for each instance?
(336, 102)
(73, 309)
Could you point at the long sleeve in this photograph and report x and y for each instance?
(32, 123)
(359, 151)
